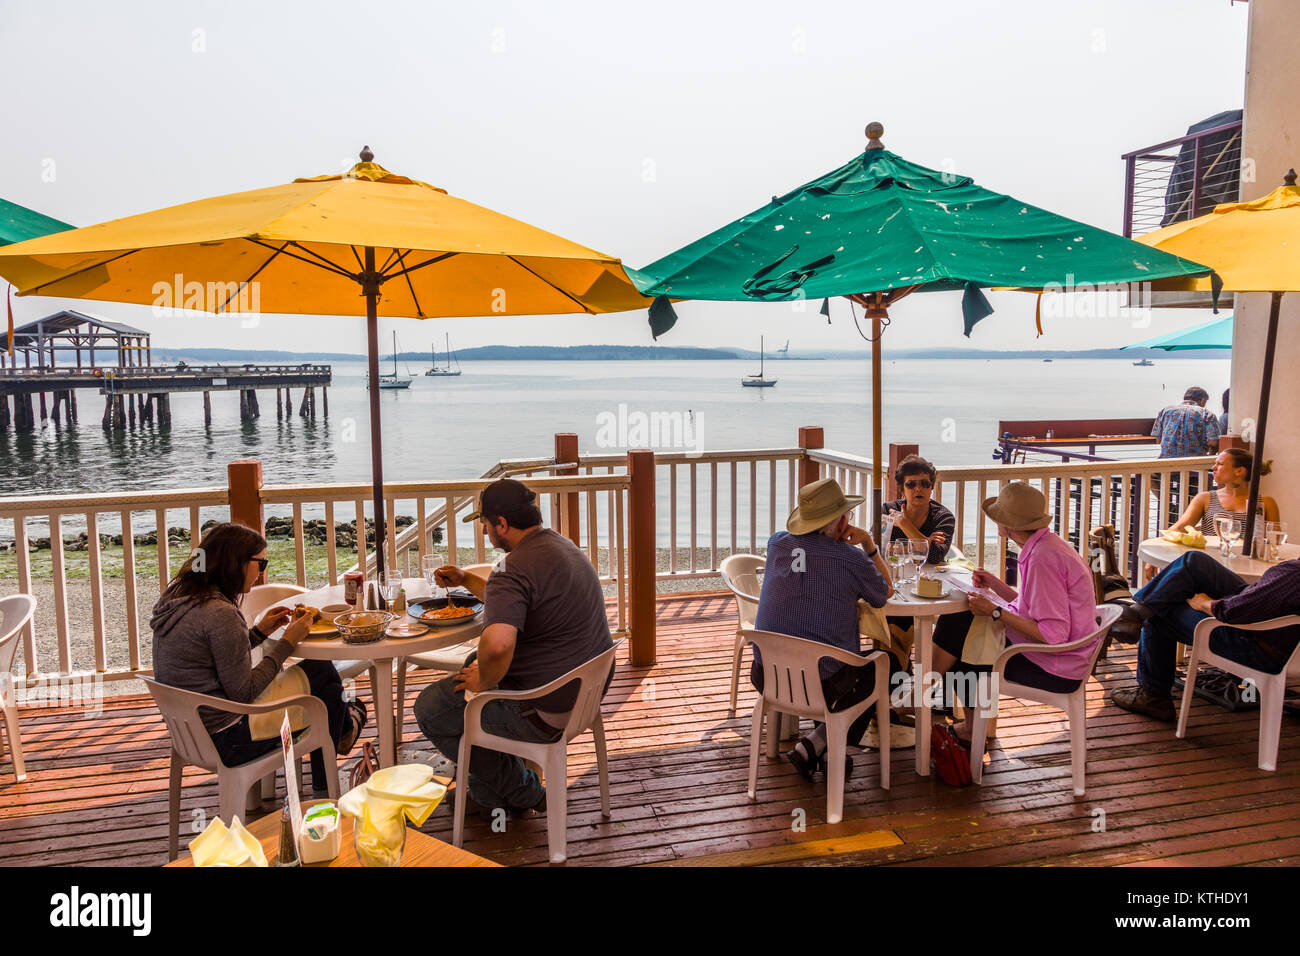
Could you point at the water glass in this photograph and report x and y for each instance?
(1275, 534)
(1229, 531)
(391, 584)
(900, 555)
(920, 553)
(430, 563)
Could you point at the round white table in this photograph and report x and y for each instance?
(1159, 552)
(925, 611)
(381, 655)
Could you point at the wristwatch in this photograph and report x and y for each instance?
(997, 613)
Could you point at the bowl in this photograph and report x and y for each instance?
(331, 611)
(363, 627)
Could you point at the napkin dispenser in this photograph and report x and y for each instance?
(320, 839)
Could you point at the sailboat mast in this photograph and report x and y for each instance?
(760, 356)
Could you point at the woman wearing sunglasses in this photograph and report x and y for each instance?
(916, 515)
(201, 643)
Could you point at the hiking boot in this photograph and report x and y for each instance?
(1139, 700)
(1127, 628)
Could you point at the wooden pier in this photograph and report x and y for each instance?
(141, 394)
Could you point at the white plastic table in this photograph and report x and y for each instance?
(1159, 552)
(925, 611)
(381, 655)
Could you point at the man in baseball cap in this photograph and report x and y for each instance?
(544, 615)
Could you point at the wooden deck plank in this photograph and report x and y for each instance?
(678, 757)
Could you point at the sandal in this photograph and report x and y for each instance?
(848, 764)
(349, 740)
(801, 763)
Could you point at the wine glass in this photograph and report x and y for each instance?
(390, 584)
(920, 553)
(1229, 531)
(899, 555)
(1219, 521)
(1276, 535)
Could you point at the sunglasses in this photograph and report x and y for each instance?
(261, 563)
(919, 483)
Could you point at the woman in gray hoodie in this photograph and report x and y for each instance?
(201, 643)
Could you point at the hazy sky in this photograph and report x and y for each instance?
(632, 129)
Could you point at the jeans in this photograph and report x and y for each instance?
(495, 779)
(1173, 621)
(236, 747)
(846, 687)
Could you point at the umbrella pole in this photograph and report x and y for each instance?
(877, 471)
(370, 284)
(1266, 386)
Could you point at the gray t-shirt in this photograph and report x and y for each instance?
(547, 589)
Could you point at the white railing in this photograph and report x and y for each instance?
(693, 532)
(439, 504)
(115, 655)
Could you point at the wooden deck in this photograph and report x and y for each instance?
(96, 791)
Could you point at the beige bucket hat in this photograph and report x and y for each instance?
(820, 503)
(1018, 506)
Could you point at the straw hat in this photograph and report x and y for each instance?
(820, 503)
(1018, 506)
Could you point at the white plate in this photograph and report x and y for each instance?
(947, 592)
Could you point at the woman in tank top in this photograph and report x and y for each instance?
(1230, 496)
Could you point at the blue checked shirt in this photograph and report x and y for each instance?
(1186, 430)
(811, 587)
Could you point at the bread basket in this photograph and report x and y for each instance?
(363, 627)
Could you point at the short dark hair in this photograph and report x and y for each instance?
(1196, 394)
(1225, 398)
(512, 500)
(915, 465)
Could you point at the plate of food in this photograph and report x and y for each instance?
(451, 611)
(932, 589)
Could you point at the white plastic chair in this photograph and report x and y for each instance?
(792, 685)
(1271, 687)
(552, 757)
(740, 573)
(15, 611)
(192, 746)
(1075, 703)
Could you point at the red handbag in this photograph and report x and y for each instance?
(951, 761)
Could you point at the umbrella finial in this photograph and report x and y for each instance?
(874, 132)
(1289, 178)
(366, 155)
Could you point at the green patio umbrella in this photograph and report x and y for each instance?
(1215, 334)
(18, 223)
(880, 227)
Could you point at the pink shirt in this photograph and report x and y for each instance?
(1056, 590)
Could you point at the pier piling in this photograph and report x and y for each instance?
(23, 420)
(324, 401)
(207, 408)
(4, 413)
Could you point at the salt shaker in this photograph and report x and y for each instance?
(288, 855)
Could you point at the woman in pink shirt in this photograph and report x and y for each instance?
(1055, 603)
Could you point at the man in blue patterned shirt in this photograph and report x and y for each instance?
(816, 570)
(1187, 430)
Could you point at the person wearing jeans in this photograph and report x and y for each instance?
(1192, 588)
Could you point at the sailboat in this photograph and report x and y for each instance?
(394, 380)
(784, 351)
(447, 370)
(758, 381)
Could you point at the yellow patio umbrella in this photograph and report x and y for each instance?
(1252, 247)
(317, 245)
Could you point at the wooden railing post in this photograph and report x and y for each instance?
(641, 555)
(897, 452)
(245, 485)
(811, 438)
(566, 449)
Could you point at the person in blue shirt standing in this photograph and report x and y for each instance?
(1188, 430)
(816, 570)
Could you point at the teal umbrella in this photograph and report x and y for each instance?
(1215, 334)
(880, 227)
(18, 223)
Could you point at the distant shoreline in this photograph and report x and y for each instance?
(632, 353)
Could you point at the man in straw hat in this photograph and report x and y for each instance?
(1053, 606)
(816, 571)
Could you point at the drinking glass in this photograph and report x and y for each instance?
(899, 555)
(1276, 535)
(1229, 531)
(391, 585)
(1223, 538)
(920, 553)
(430, 563)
